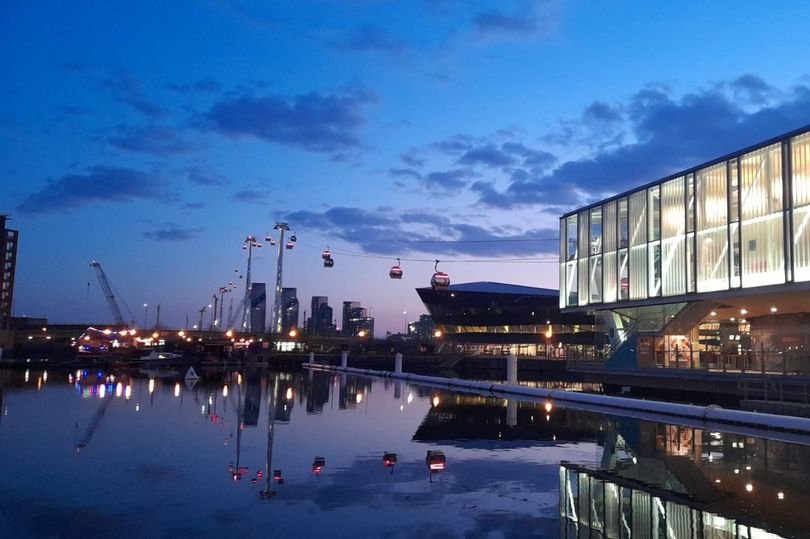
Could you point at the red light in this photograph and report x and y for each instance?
(316, 470)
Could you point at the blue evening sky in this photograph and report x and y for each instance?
(154, 136)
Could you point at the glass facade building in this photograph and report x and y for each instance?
(738, 222)
(736, 227)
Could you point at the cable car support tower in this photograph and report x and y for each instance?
(277, 307)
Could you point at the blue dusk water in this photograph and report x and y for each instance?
(149, 454)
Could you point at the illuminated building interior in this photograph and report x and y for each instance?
(495, 319)
(707, 268)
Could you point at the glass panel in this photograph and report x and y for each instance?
(563, 286)
(654, 206)
(673, 211)
(800, 161)
(638, 218)
(571, 237)
(673, 225)
(595, 285)
(584, 236)
(800, 176)
(624, 281)
(763, 257)
(690, 202)
(801, 243)
(690, 263)
(624, 227)
(654, 258)
(596, 230)
(673, 266)
(712, 232)
(562, 241)
(609, 235)
(583, 281)
(572, 283)
(734, 232)
(609, 276)
(638, 272)
(734, 192)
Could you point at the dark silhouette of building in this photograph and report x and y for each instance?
(320, 321)
(8, 259)
(346, 328)
(423, 329)
(258, 307)
(486, 318)
(289, 309)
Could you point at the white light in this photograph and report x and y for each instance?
(773, 309)
(780, 495)
(151, 385)
(225, 390)
(359, 398)
(749, 487)
(410, 396)
(743, 311)
(119, 389)
(736, 470)
(177, 389)
(128, 392)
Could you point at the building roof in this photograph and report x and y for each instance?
(489, 287)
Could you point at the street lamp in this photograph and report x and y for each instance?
(145, 312)
(405, 316)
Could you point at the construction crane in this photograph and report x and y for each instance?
(108, 294)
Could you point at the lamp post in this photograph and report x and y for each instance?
(405, 316)
(145, 312)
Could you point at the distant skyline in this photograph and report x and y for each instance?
(154, 137)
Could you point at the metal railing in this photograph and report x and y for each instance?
(753, 362)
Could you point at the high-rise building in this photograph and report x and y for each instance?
(289, 309)
(345, 328)
(258, 307)
(8, 259)
(320, 321)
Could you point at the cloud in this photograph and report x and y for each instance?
(530, 18)
(404, 172)
(203, 86)
(313, 122)
(153, 139)
(600, 112)
(127, 90)
(204, 176)
(668, 133)
(385, 231)
(488, 155)
(751, 88)
(412, 158)
(172, 232)
(446, 182)
(99, 184)
(368, 38)
(251, 196)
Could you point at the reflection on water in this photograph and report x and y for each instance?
(248, 452)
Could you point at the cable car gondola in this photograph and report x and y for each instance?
(326, 254)
(328, 262)
(268, 238)
(396, 271)
(290, 245)
(293, 238)
(440, 279)
(272, 241)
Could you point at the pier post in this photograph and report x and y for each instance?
(344, 359)
(511, 369)
(311, 358)
(398, 363)
(511, 412)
